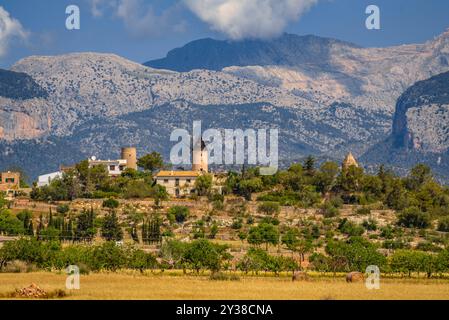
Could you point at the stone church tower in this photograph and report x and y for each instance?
(349, 161)
(200, 157)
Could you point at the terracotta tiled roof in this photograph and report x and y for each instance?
(181, 174)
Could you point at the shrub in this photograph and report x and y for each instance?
(178, 214)
(443, 224)
(396, 244)
(328, 210)
(413, 218)
(220, 276)
(363, 211)
(63, 209)
(138, 189)
(237, 224)
(269, 208)
(111, 203)
(18, 266)
(370, 224)
(350, 228)
(10, 224)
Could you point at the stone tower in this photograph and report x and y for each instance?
(349, 161)
(200, 157)
(130, 155)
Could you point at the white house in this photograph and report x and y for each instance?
(115, 167)
(46, 179)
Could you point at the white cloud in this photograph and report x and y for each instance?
(249, 18)
(10, 28)
(96, 7)
(140, 18)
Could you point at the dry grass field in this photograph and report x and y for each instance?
(118, 286)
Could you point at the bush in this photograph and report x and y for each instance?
(138, 189)
(350, 228)
(10, 224)
(396, 244)
(18, 266)
(328, 210)
(220, 276)
(104, 195)
(63, 209)
(363, 211)
(269, 208)
(370, 224)
(413, 218)
(111, 203)
(443, 224)
(178, 214)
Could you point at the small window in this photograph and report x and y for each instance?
(9, 180)
(165, 180)
(177, 182)
(111, 168)
(189, 180)
(121, 168)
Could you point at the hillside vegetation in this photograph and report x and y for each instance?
(315, 218)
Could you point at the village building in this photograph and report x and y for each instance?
(10, 184)
(128, 160)
(349, 162)
(9, 181)
(115, 168)
(182, 183)
(46, 179)
(178, 183)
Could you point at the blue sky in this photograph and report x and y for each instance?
(142, 30)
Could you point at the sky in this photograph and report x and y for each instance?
(142, 30)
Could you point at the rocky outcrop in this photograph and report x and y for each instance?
(19, 86)
(421, 120)
(23, 108)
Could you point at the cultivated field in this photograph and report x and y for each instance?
(160, 287)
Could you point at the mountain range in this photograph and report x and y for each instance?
(326, 96)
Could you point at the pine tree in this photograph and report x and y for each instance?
(50, 219)
(70, 230)
(309, 165)
(144, 233)
(30, 229)
(111, 229)
(134, 234)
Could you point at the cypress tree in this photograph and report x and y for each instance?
(144, 233)
(40, 227)
(30, 229)
(50, 220)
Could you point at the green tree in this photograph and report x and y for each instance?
(326, 177)
(178, 214)
(151, 162)
(203, 254)
(413, 218)
(309, 166)
(263, 233)
(203, 184)
(291, 239)
(419, 175)
(269, 208)
(85, 228)
(110, 229)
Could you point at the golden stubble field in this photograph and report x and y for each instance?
(118, 286)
